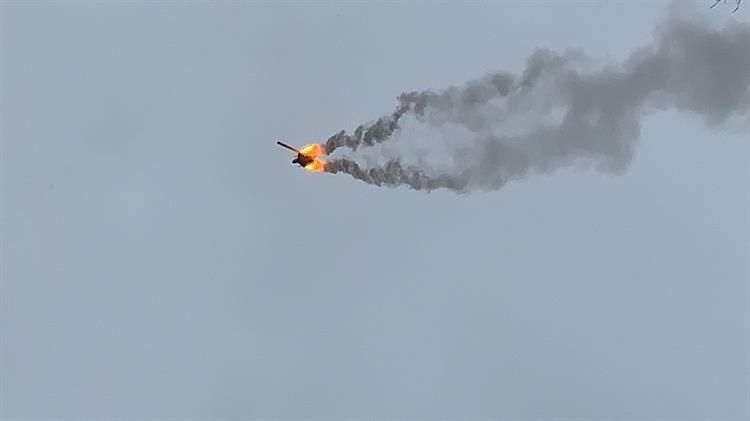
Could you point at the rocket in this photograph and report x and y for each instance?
(309, 157)
(301, 159)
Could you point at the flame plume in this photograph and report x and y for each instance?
(314, 151)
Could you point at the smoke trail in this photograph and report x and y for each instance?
(563, 109)
(393, 174)
(367, 135)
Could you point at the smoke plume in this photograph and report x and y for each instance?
(563, 109)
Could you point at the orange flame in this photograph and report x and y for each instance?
(314, 151)
(316, 166)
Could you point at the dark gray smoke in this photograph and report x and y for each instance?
(562, 110)
(368, 135)
(393, 174)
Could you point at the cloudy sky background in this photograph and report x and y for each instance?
(161, 258)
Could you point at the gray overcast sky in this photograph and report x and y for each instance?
(161, 258)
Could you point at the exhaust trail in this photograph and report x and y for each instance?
(564, 109)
